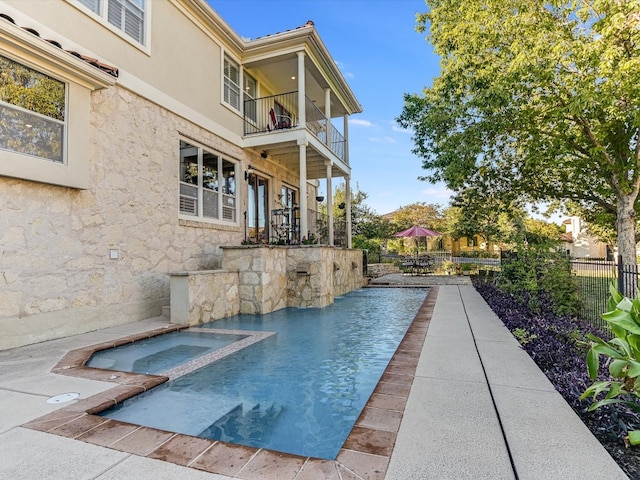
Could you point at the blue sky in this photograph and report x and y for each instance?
(375, 44)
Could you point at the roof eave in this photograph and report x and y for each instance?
(307, 37)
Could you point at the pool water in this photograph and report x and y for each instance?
(163, 352)
(299, 391)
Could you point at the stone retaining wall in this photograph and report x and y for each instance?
(375, 270)
(262, 279)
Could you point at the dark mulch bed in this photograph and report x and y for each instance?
(554, 343)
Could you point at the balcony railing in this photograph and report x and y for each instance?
(279, 112)
(285, 227)
(318, 224)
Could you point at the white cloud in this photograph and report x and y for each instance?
(361, 123)
(382, 139)
(396, 128)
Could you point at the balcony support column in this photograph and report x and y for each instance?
(347, 194)
(330, 204)
(327, 114)
(345, 130)
(302, 94)
(304, 226)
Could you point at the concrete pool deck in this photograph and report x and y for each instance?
(476, 407)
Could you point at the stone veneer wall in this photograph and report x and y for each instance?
(268, 278)
(56, 277)
(199, 297)
(379, 269)
(262, 276)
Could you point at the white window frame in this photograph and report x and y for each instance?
(223, 198)
(101, 15)
(247, 96)
(229, 84)
(32, 117)
(80, 79)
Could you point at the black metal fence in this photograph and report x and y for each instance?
(440, 257)
(594, 278)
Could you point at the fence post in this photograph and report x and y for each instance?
(620, 275)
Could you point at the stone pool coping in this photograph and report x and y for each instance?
(365, 453)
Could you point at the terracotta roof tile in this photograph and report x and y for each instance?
(111, 70)
(308, 24)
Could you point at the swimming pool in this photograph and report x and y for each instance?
(299, 391)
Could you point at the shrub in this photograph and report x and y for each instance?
(541, 279)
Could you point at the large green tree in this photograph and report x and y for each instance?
(536, 100)
(423, 214)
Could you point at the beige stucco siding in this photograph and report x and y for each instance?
(181, 61)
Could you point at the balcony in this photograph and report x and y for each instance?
(278, 114)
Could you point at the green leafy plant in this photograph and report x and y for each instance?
(542, 279)
(312, 240)
(450, 268)
(622, 355)
(251, 241)
(523, 336)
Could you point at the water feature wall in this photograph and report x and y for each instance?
(258, 279)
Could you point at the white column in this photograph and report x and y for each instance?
(304, 227)
(347, 192)
(302, 94)
(330, 203)
(345, 129)
(327, 113)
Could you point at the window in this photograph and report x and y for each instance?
(250, 92)
(125, 15)
(232, 83)
(207, 184)
(32, 112)
(45, 107)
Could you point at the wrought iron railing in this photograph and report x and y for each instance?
(316, 121)
(318, 224)
(268, 114)
(277, 113)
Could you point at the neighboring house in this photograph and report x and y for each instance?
(470, 245)
(578, 243)
(456, 246)
(139, 137)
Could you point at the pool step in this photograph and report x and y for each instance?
(241, 424)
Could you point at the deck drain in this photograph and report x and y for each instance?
(63, 397)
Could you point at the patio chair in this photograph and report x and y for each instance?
(279, 122)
